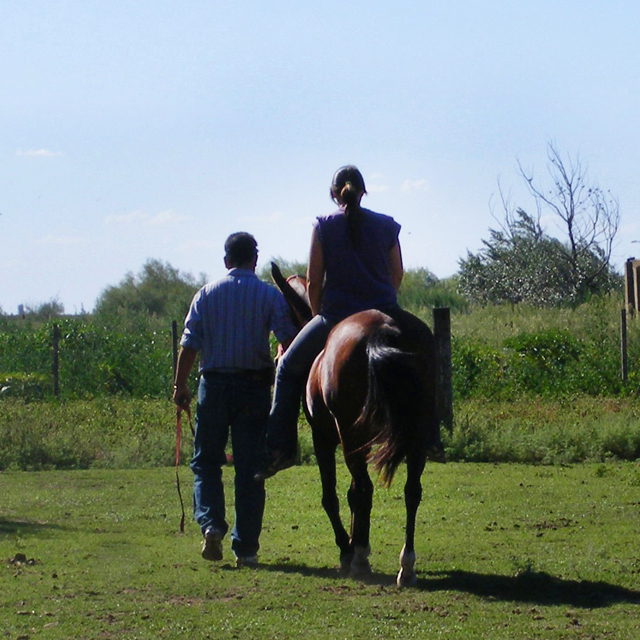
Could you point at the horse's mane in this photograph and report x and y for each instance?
(294, 290)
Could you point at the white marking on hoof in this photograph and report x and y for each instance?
(406, 579)
(407, 576)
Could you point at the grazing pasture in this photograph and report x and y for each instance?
(504, 551)
(117, 433)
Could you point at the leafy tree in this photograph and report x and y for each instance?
(522, 263)
(45, 310)
(158, 290)
(421, 290)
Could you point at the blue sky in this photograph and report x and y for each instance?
(136, 130)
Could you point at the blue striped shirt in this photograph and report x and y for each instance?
(229, 322)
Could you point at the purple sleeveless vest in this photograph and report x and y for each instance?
(356, 277)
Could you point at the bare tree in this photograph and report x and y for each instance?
(521, 262)
(588, 216)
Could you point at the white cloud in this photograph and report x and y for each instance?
(60, 240)
(415, 185)
(377, 188)
(168, 217)
(125, 218)
(145, 219)
(39, 153)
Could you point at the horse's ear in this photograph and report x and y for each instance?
(277, 276)
(300, 310)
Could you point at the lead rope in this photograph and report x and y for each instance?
(179, 411)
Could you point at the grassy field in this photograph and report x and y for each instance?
(120, 433)
(504, 551)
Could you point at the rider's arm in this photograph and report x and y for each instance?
(395, 264)
(315, 273)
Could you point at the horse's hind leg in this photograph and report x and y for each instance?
(412, 497)
(360, 501)
(326, 458)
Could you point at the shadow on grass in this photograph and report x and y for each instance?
(304, 570)
(10, 527)
(529, 587)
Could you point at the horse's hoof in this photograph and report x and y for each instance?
(406, 579)
(345, 564)
(360, 569)
(407, 575)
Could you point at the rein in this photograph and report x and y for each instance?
(179, 411)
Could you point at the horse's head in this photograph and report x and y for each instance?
(294, 290)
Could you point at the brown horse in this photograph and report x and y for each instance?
(372, 390)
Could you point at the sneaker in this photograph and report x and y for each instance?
(277, 462)
(246, 561)
(212, 544)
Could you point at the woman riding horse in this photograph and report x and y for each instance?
(355, 264)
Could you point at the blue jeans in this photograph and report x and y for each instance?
(227, 401)
(291, 377)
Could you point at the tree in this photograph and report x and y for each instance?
(522, 262)
(45, 310)
(158, 290)
(422, 290)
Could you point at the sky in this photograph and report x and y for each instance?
(153, 129)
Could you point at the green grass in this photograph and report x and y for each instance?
(547, 431)
(504, 551)
(111, 432)
(492, 324)
(120, 433)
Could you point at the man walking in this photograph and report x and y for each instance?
(229, 323)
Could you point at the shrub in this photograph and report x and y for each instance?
(131, 358)
(477, 369)
(542, 359)
(421, 290)
(27, 386)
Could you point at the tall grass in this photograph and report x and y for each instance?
(539, 431)
(493, 324)
(80, 434)
(121, 433)
(506, 351)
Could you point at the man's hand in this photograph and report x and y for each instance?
(181, 396)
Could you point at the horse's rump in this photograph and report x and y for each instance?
(373, 376)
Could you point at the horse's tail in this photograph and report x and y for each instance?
(392, 407)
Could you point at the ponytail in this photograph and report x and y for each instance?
(347, 189)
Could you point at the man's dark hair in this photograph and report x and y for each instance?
(240, 248)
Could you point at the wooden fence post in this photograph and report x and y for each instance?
(623, 343)
(632, 286)
(54, 365)
(442, 334)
